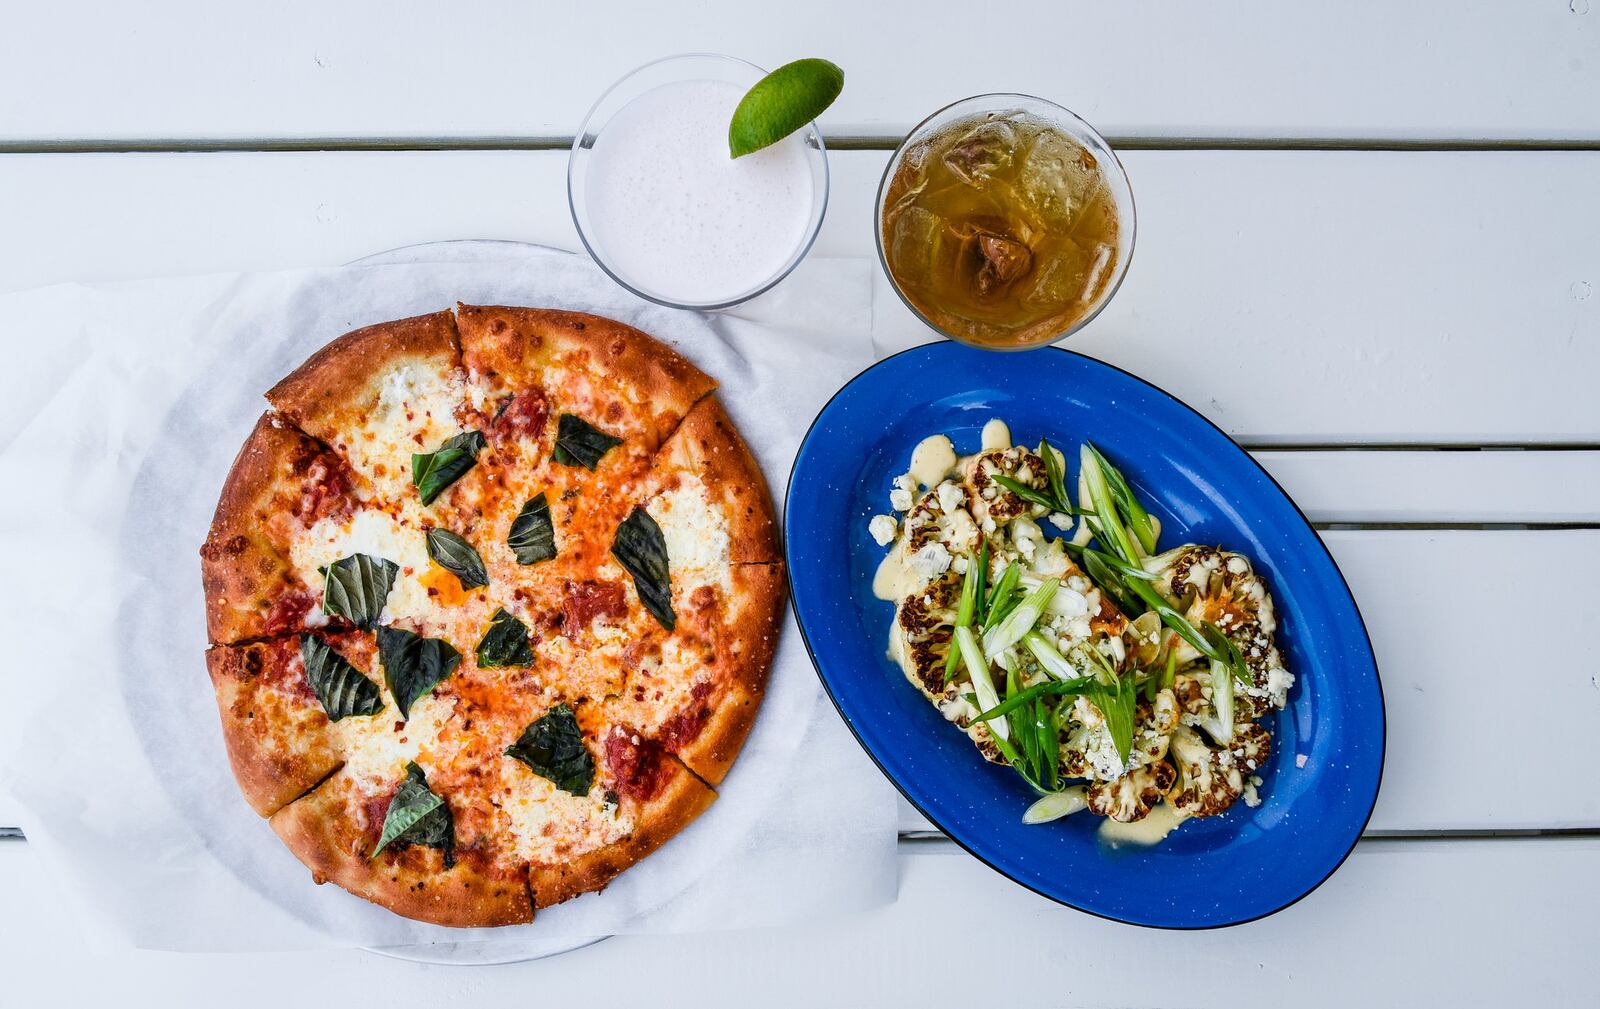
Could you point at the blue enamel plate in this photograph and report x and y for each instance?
(1322, 780)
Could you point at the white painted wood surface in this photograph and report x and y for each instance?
(1292, 297)
(1306, 301)
(1403, 923)
(1423, 69)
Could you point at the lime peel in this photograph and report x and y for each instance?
(781, 103)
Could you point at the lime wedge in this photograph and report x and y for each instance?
(782, 102)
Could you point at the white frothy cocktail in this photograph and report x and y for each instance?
(675, 216)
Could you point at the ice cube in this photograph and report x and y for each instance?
(1058, 178)
(1072, 276)
(982, 151)
(921, 246)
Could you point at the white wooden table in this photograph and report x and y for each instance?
(1367, 249)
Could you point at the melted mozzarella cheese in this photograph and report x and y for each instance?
(374, 750)
(549, 824)
(699, 547)
(378, 534)
(415, 411)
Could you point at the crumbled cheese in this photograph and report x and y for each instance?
(951, 497)
(1078, 583)
(1300, 760)
(900, 494)
(1279, 680)
(883, 528)
(1061, 520)
(1252, 798)
(931, 561)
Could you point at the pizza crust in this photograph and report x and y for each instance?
(330, 832)
(339, 379)
(745, 647)
(517, 348)
(707, 447)
(682, 798)
(244, 563)
(277, 738)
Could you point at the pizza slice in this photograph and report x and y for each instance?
(574, 408)
(276, 731)
(702, 588)
(390, 399)
(654, 796)
(282, 485)
(395, 844)
(695, 690)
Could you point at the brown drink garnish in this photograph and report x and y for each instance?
(1000, 229)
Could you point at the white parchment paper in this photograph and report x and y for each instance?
(120, 417)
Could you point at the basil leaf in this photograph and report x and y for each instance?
(505, 643)
(357, 587)
(457, 556)
(578, 443)
(342, 688)
(413, 664)
(553, 747)
(432, 472)
(417, 815)
(641, 549)
(533, 533)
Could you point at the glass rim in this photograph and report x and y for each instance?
(995, 99)
(820, 192)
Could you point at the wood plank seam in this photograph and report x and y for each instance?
(883, 142)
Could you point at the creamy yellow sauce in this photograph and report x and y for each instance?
(996, 434)
(1153, 829)
(894, 579)
(932, 460)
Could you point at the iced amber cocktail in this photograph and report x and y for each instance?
(1005, 221)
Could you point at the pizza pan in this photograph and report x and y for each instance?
(1322, 780)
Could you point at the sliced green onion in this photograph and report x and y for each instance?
(1170, 676)
(971, 594)
(1139, 521)
(1225, 651)
(1026, 493)
(1049, 744)
(1056, 805)
(978, 670)
(1106, 524)
(1110, 582)
(1020, 620)
(1049, 656)
(1017, 720)
(1116, 702)
(1055, 475)
(1050, 688)
(1136, 580)
(1222, 700)
(1000, 599)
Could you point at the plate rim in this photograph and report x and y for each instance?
(827, 687)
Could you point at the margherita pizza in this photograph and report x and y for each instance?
(491, 597)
